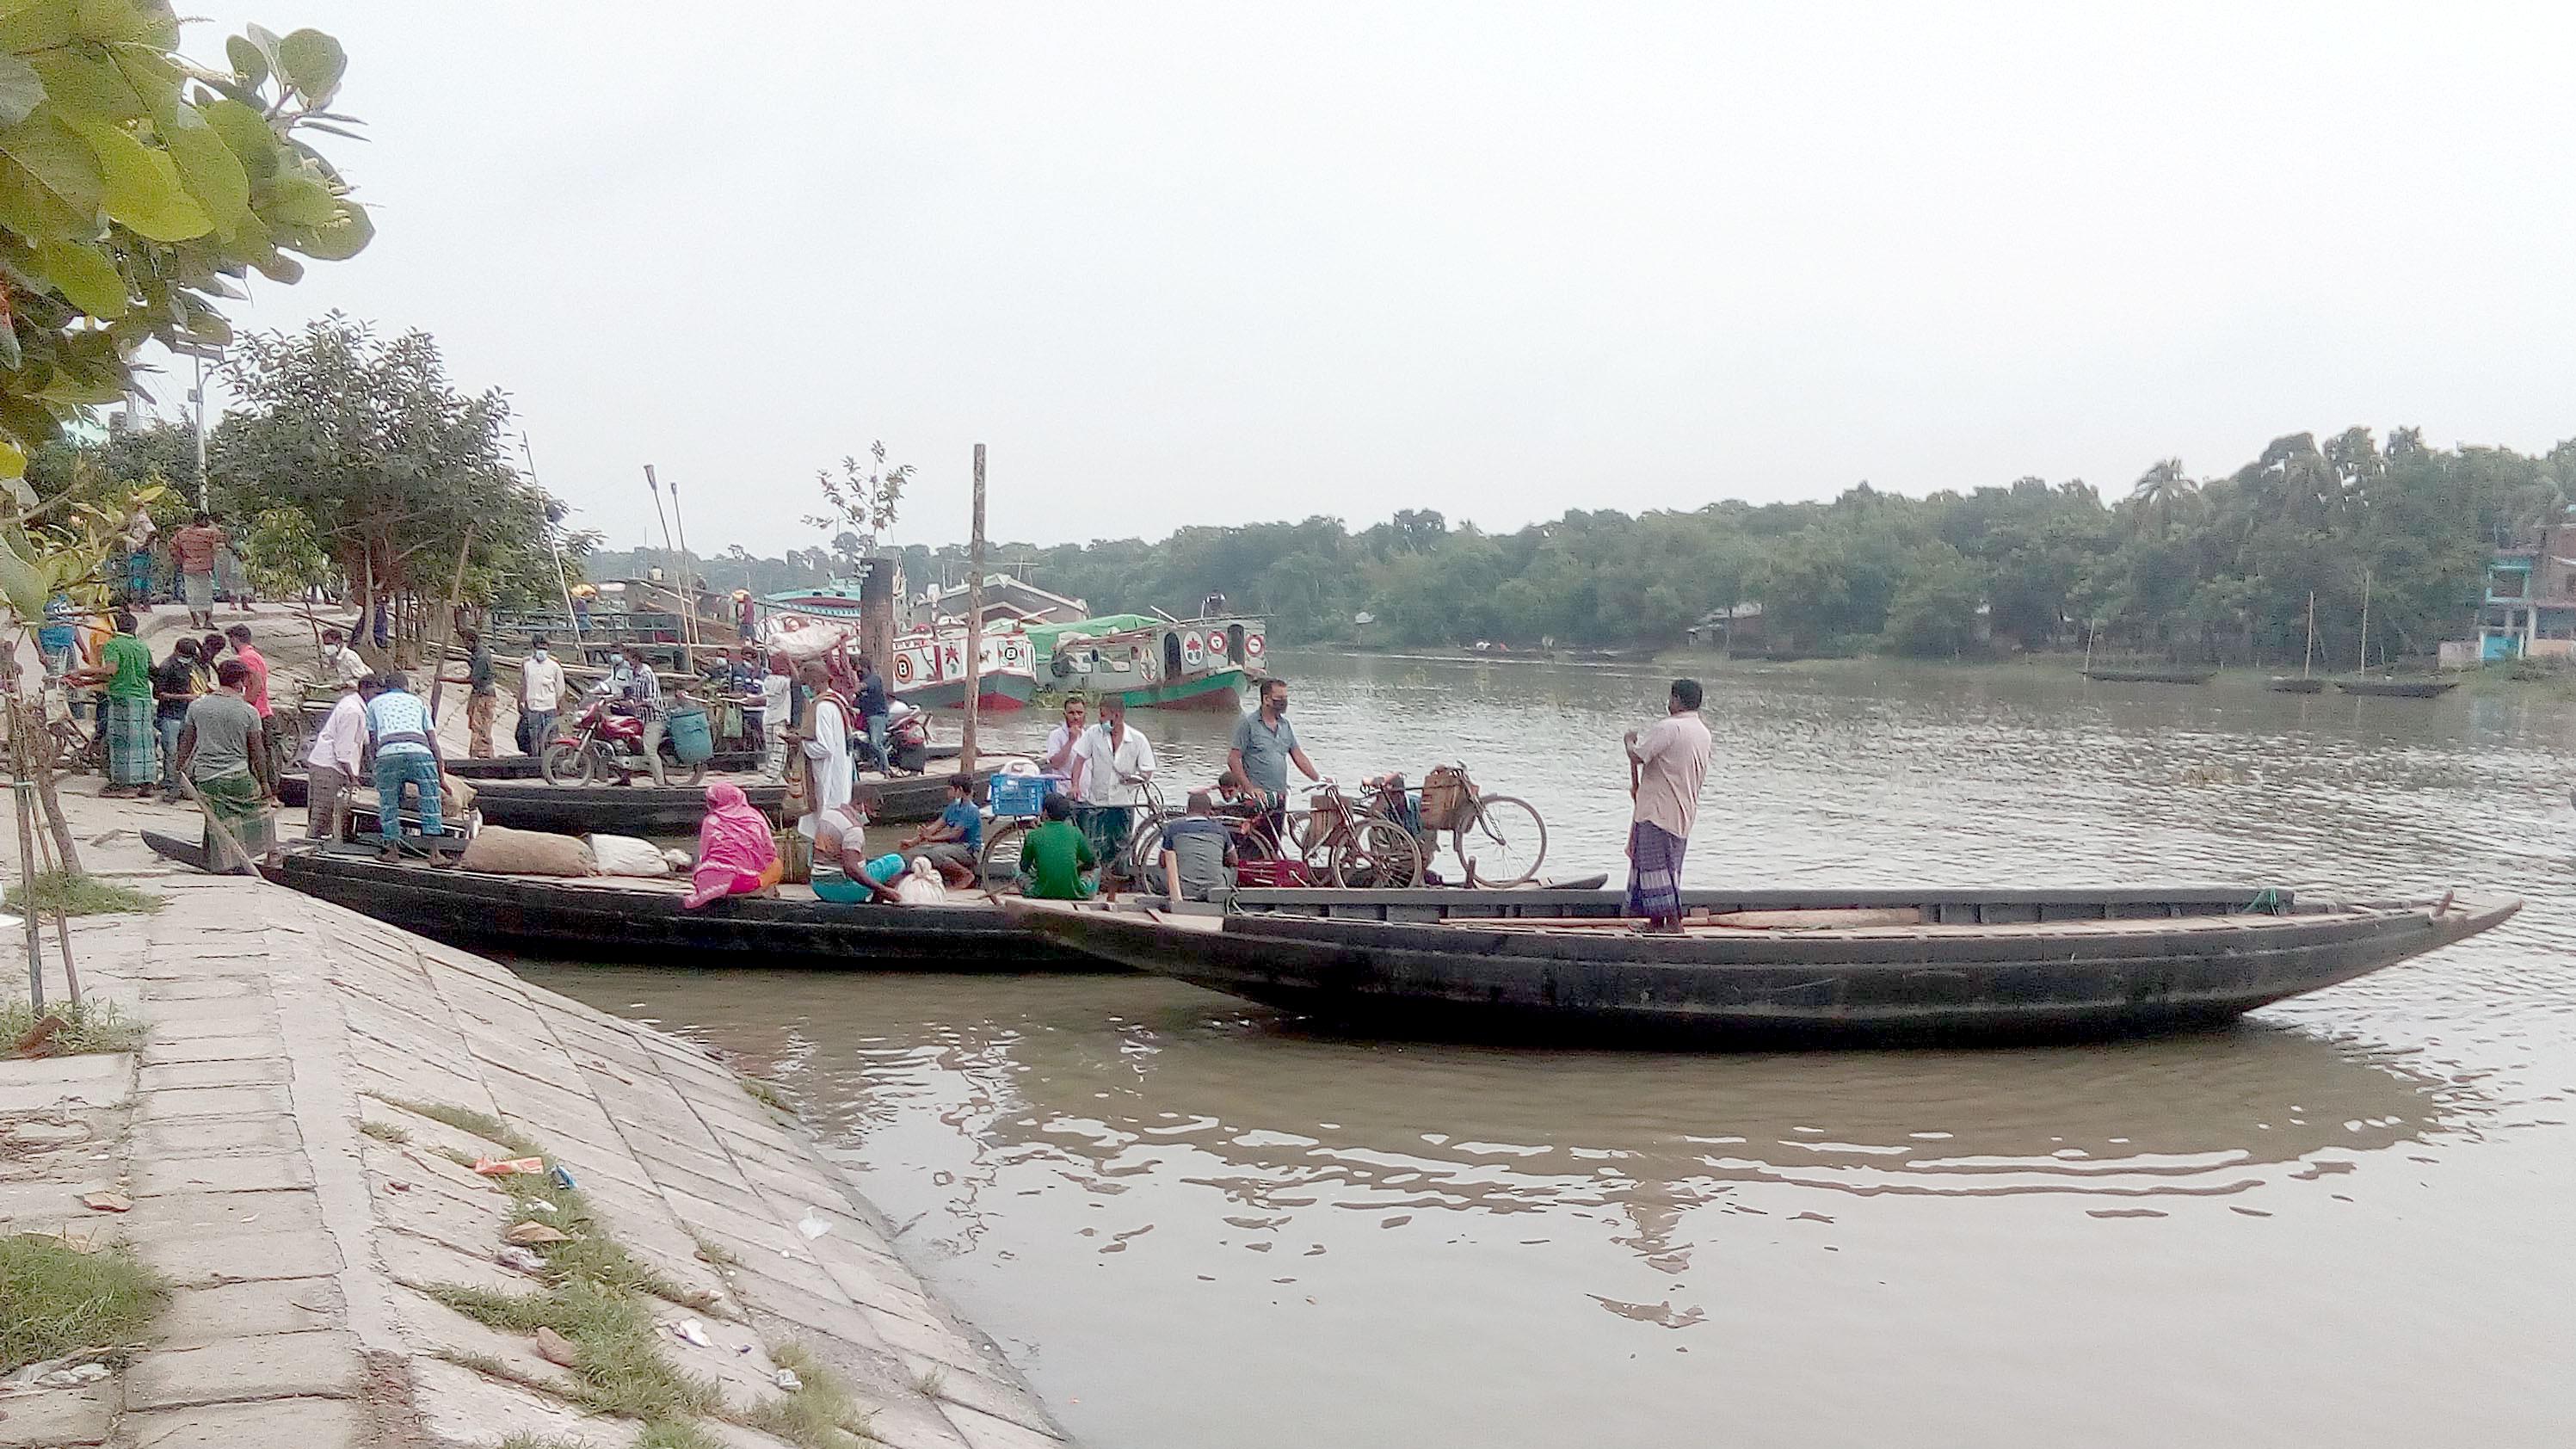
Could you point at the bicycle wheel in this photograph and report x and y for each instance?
(1145, 849)
(999, 862)
(1502, 842)
(1376, 854)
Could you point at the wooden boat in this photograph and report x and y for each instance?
(611, 919)
(2148, 674)
(1150, 663)
(2392, 687)
(723, 762)
(2294, 684)
(1760, 967)
(664, 809)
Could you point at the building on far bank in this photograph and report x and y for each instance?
(2529, 608)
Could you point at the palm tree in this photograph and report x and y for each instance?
(2158, 490)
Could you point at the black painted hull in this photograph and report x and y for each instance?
(1982, 967)
(2398, 688)
(524, 767)
(595, 923)
(2113, 675)
(652, 809)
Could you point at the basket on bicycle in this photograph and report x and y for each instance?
(1446, 795)
(1323, 819)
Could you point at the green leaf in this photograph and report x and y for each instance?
(86, 277)
(110, 21)
(9, 354)
(143, 189)
(280, 268)
(344, 236)
(36, 212)
(313, 63)
(155, 79)
(246, 135)
(209, 169)
(38, 26)
(247, 61)
(59, 159)
(297, 200)
(86, 87)
(21, 90)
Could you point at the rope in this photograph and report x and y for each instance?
(2268, 902)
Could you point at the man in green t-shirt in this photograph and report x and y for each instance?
(125, 667)
(1054, 856)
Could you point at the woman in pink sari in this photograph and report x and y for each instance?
(736, 854)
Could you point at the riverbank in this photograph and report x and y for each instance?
(291, 1148)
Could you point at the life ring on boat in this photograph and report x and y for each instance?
(1252, 646)
(903, 669)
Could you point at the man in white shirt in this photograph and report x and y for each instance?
(1115, 762)
(333, 763)
(1667, 764)
(823, 738)
(340, 663)
(1062, 756)
(776, 715)
(541, 687)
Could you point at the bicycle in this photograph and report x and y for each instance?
(1017, 812)
(1500, 840)
(1355, 845)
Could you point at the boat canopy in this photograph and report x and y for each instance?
(1045, 635)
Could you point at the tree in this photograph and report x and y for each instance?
(399, 472)
(1934, 613)
(862, 501)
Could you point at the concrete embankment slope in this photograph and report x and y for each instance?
(302, 1211)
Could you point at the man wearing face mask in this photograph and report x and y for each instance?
(541, 685)
(1264, 746)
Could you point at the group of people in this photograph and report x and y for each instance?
(201, 557)
(145, 706)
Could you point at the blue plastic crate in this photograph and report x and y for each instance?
(1023, 794)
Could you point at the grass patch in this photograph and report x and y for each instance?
(543, 1441)
(820, 1414)
(618, 1366)
(385, 1132)
(768, 1096)
(675, 1434)
(81, 895)
(928, 1382)
(465, 1119)
(92, 1026)
(59, 1299)
(715, 1252)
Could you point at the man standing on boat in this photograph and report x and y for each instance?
(822, 739)
(1667, 764)
(1063, 746)
(541, 691)
(1116, 763)
(1264, 747)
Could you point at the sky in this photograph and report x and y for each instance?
(1202, 264)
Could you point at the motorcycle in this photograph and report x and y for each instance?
(907, 739)
(600, 745)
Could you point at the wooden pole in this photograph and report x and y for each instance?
(2309, 659)
(974, 620)
(2365, 621)
(24, 790)
(62, 925)
(688, 590)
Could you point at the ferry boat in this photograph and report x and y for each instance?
(927, 667)
(1151, 663)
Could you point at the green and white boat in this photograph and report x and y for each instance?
(1151, 663)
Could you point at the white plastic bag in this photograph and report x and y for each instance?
(920, 885)
(627, 855)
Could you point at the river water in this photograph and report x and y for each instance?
(2346, 1221)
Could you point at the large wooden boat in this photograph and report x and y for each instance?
(2294, 684)
(1758, 967)
(608, 919)
(2148, 674)
(1151, 663)
(664, 809)
(524, 767)
(2394, 687)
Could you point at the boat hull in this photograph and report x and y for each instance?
(601, 923)
(659, 809)
(2288, 684)
(2398, 688)
(2112, 675)
(2027, 967)
(1218, 692)
(998, 693)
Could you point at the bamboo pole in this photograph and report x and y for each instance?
(62, 924)
(974, 621)
(23, 790)
(688, 589)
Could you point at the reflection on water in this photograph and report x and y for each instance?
(1195, 1224)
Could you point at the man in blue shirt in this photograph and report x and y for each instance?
(1264, 746)
(405, 745)
(872, 710)
(954, 840)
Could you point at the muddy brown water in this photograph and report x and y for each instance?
(2347, 1220)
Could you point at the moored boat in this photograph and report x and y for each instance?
(665, 809)
(2395, 687)
(1797, 967)
(614, 919)
(2148, 674)
(2294, 684)
(1151, 663)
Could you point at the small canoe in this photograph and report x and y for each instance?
(604, 919)
(1771, 967)
(2395, 688)
(2294, 684)
(659, 809)
(2168, 674)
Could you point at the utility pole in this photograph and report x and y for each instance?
(554, 542)
(974, 621)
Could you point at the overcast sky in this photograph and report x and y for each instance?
(1200, 263)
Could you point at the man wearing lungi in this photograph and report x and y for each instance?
(125, 667)
(1667, 763)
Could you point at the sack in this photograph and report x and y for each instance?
(799, 801)
(795, 857)
(921, 887)
(455, 796)
(502, 851)
(1445, 796)
(627, 855)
